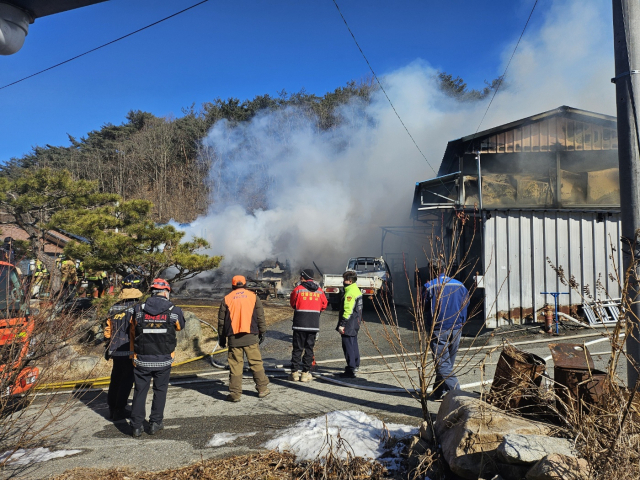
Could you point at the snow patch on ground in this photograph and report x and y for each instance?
(364, 435)
(34, 455)
(223, 438)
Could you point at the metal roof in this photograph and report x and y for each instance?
(564, 110)
(42, 8)
(474, 141)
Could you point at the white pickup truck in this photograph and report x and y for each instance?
(374, 277)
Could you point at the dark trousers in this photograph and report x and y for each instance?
(351, 352)
(142, 377)
(444, 346)
(302, 341)
(121, 383)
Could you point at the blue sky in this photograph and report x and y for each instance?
(234, 49)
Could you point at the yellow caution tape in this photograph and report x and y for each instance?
(104, 381)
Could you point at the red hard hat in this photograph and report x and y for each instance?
(160, 284)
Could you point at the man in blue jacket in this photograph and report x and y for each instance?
(446, 301)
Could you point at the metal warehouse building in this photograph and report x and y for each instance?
(548, 196)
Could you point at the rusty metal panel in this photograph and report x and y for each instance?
(575, 255)
(517, 244)
(588, 273)
(502, 264)
(538, 259)
(513, 260)
(571, 355)
(527, 298)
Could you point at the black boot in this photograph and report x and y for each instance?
(155, 427)
(137, 432)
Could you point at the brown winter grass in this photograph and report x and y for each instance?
(273, 313)
(257, 466)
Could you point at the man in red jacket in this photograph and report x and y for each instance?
(308, 300)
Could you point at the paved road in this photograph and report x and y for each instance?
(196, 409)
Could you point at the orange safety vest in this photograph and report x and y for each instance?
(241, 304)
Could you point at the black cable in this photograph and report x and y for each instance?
(495, 92)
(381, 87)
(104, 45)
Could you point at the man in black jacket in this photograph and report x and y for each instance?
(118, 348)
(153, 337)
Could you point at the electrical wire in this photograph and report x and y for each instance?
(381, 87)
(104, 45)
(495, 92)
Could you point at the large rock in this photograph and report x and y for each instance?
(189, 336)
(83, 366)
(528, 449)
(559, 467)
(470, 431)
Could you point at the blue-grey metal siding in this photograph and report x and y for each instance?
(517, 244)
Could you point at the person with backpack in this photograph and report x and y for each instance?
(118, 348)
(153, 340)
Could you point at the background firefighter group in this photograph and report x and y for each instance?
(76, 280)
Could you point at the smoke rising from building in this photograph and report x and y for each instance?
(283, 188)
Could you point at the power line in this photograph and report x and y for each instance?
(495, 92)
(381, 87)
(104, 45)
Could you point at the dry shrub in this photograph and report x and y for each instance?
(257, 466)
(608, 435)
(39, 340)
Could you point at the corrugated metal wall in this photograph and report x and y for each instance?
(517, 244)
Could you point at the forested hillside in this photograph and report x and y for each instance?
(163, 159)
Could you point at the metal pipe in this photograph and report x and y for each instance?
(479, 181)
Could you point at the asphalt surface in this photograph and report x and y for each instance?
(196, 409)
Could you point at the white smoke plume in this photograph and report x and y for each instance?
(330, 191)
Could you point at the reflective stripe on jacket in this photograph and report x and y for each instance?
(153, 331)
(308, 300)
(117, 329)
(351, 311)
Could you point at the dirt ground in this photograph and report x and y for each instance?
(273, 312)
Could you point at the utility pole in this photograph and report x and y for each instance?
(626, 40)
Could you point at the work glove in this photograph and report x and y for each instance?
(107, 357)
(260, 338)
(222, 341)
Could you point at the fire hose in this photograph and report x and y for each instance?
(281, 372)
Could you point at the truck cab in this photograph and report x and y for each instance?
(16, 333)
(374, 279)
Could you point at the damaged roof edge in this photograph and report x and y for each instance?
(564, 109)
(453, 146)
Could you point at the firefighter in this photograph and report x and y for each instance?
(95, 280)
(153, 326)
(241, 323)
(118, 348)
(349, 321)
(40, 277)
(308, 300)
(69, 274)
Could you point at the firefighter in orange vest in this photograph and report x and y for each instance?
(241, 324)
